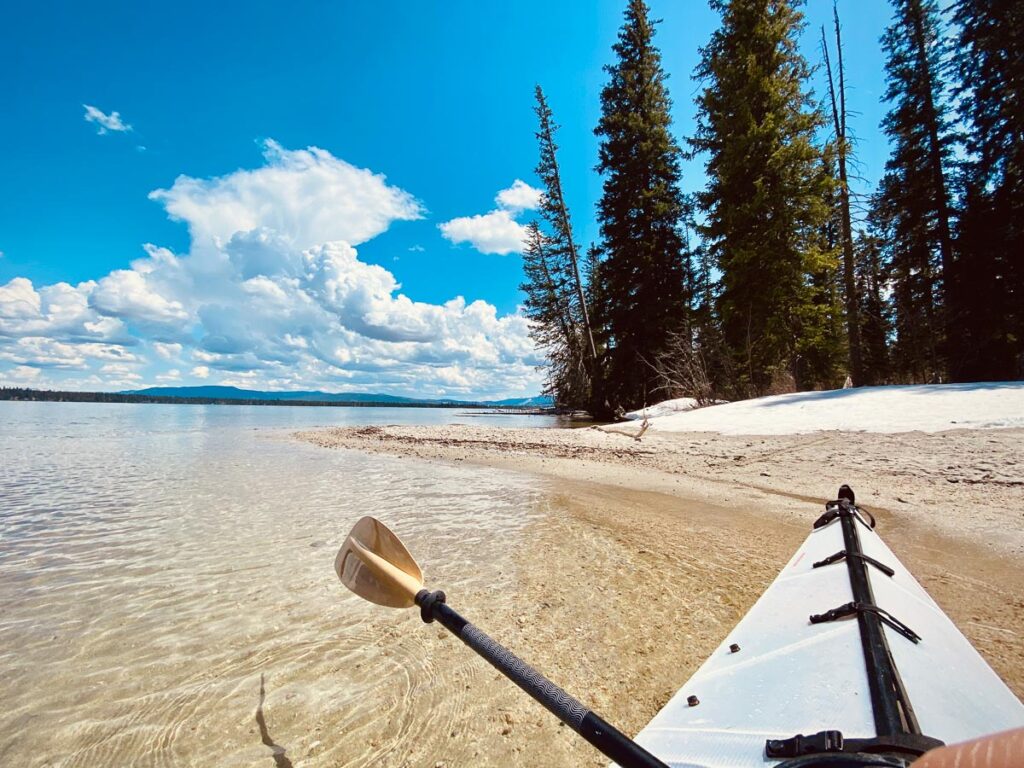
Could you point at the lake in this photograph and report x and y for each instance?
(167, 595)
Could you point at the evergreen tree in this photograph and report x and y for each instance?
(987, 292)
(561, 248)
(552, 325)
(874, 314)
(913, 202)
(643, 270)
(821, 346)
(765, 202)
(555, 303)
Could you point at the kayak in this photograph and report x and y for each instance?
(844, 653)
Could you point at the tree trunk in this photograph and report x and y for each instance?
(849, 279)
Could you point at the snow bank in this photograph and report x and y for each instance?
(925, 408)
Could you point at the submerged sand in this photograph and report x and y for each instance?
(653, 549)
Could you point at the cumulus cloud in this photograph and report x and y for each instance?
(306, 197)
(104, 122)
(496, 232)
(519, 197)
(125, 293)
(272, 293)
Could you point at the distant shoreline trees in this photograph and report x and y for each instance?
(766, 280)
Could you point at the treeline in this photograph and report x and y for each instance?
(45, 395)
(776, 277)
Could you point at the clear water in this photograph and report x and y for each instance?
(167, 594)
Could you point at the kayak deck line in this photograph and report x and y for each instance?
(842, 553)
(798, 677)
(854, 608)
(897, 730)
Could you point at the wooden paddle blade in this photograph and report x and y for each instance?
(375, 564)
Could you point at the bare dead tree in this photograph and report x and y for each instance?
(842, 151)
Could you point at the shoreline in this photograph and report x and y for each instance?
(652, 550)
(962, 484)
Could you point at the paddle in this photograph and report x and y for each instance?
(375, 565)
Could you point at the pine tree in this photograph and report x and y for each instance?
(987, 292)
(913, 202)
(644, 272)
(765, 200)
(821, 346)
(874, 313)
(552, 325)
(562, 248)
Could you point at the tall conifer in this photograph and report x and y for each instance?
(987, 294)
(548, 305)
(765, 201)
(643, 270)
(562, 247)
(912, 203)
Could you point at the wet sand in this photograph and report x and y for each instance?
(652, 550)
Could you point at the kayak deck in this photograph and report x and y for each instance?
(792, 677)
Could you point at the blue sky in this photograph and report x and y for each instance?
(226, 98)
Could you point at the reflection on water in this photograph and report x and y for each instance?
(167, 595)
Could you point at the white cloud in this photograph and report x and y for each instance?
(272, 293)
(125, 293)
(105, 122)
(19, 300)
(494, 232)
(519, 197)
(306, 197)
(166, 351)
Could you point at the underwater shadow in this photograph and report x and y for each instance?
(280, 758)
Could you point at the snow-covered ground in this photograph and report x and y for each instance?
(925, 407)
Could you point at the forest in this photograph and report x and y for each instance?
(773, 278)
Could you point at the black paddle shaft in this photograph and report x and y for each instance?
(606, 738)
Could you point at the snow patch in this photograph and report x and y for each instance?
(924, 408)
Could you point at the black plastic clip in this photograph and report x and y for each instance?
(849, 609)
(823, 741)
(426, 600)
(867, 559)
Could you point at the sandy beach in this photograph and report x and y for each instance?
(652, 550)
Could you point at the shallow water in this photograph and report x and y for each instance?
(167, 595)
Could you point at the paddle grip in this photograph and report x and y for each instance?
(606, 738)
(561, 704)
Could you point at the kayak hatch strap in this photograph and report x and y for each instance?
(851, 609)
(832, 512)
(904, 745)
(866, 558)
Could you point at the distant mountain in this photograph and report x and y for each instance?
(234, 393)
(540, 401)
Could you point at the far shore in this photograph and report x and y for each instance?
(654, 548)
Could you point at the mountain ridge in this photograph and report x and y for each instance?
(236, 393)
